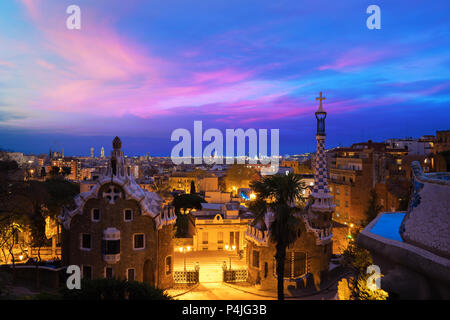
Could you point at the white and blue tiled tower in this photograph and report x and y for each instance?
(320, 170)
(320, 205)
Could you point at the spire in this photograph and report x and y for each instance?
(117, 166)
(320, 116)
(117, 143)
(320, 170)
(320, 110)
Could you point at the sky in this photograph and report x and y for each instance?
(141, 69)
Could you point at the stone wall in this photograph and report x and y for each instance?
(319, 256)
(427, 222)
(144, 261)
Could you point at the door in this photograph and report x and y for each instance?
(149, 272)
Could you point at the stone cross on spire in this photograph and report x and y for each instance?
(320, 98)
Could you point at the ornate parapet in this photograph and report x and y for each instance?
(257, 236)
(166, 217)
(323, 235)
(427, 222)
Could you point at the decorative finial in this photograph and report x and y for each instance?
(320, 98)
(117, 144)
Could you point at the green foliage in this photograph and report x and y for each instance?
(359, 259)
(66, 171)
(114, 289)
(54, 171)
(237, 174)
(5, 282)
(60, 192)
(187, 201)
(356, 257)
(374, 207)
(362, 292)
(182, 226)
(193, 187)
(279, 193)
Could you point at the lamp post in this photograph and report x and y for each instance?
(184, 250)
(228, 248)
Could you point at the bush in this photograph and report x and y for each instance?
(114, 289)
(5, 282)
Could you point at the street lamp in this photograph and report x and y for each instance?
(228, 248)
(185, 250)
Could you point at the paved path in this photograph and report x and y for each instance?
(217, 291)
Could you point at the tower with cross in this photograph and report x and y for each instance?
(118, 229)
(320, 170)
(321, 202)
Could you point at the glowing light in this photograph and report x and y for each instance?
(233, 247)
(188, 248)
(252, 196)
(227, 247)
(181, 249)
(21, 257)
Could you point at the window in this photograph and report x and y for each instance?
(139, 241)
(255, 259)
(266, 270)
(220, 237)
(168, 265)
(109, 274)
(86, 241)
(346, 191)
(95, 214)
(346, 204)
(231, 238)
(87, 272)
(111, 246)
(337, 202)
(131, 274)
(337, 190)
(294, 264)
(128, 215)
(204, 237)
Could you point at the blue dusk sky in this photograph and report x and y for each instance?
(141, 69)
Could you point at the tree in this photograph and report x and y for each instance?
(192, 187)
(60, 193)
(114, 289)
(162, 188)
(278, 193)
(66, 171)
(54, 171)
(239, 176)
(358, 259)
(374, 207)
(182, 203)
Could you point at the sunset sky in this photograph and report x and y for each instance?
(140, 69)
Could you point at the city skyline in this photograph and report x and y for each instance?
(141, 71)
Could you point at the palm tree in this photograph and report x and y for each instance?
(162, 188)
(279, 193)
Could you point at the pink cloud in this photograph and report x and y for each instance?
(356, 58)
